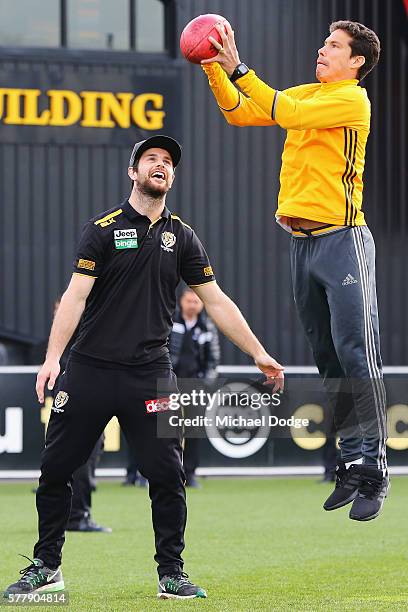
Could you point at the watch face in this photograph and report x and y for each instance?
(239, 71)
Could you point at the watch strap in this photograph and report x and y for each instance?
(239, 71)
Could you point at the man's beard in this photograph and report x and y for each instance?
(147, 189)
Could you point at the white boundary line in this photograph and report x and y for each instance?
(242, 369)
(19, 369)
(398, 470)
(223, 369)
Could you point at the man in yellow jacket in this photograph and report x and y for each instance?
(332, 249)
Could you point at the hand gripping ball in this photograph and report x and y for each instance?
(194, 43)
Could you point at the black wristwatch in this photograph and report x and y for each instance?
(239, 72)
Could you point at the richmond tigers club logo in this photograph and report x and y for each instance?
(60, 400)
(168, 240)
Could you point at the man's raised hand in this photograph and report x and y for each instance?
(228, 56)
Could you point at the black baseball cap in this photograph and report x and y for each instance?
(160, 142)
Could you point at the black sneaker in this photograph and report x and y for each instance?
(177, 586)
(347, 483)
(371, 494)
(36, 578)
(87, 525)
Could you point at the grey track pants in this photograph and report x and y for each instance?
(333, 279)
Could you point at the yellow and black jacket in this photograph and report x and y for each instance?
(327, 129)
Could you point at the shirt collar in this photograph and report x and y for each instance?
(335, 84)
(132, 214)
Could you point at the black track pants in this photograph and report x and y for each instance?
(83, 482)
(97, 394)
(333, 279)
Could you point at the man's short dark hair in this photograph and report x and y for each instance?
(364, 42)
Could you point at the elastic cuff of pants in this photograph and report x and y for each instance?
(51, 565)
(169, 571)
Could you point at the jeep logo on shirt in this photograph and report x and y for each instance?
(125, 238)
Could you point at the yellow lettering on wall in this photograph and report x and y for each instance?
(90, 106)
(96, 109)
(13, 114)
(100, 106)
(148, 119)
(2, 99)
(116, 106)
(65, 107)
(112, 436)
(31, 116)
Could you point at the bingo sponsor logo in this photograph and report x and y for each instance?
(157, 405)
(125, 238)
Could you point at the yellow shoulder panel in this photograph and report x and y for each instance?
(178, 219)
(108, 219)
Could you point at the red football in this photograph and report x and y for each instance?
(194, 43)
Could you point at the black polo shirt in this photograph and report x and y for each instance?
(137, 265)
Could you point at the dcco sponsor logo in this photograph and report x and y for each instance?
(161, 404)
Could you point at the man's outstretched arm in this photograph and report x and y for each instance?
(65, 323)
(341, 108)
(229, 320)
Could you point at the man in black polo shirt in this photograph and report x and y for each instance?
(129, 262)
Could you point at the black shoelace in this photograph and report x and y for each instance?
(29, 573)
(178, 580)
(182, 578)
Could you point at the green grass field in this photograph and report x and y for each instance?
(253, 544)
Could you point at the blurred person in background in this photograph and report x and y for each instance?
(133, 476)
(195, 353)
